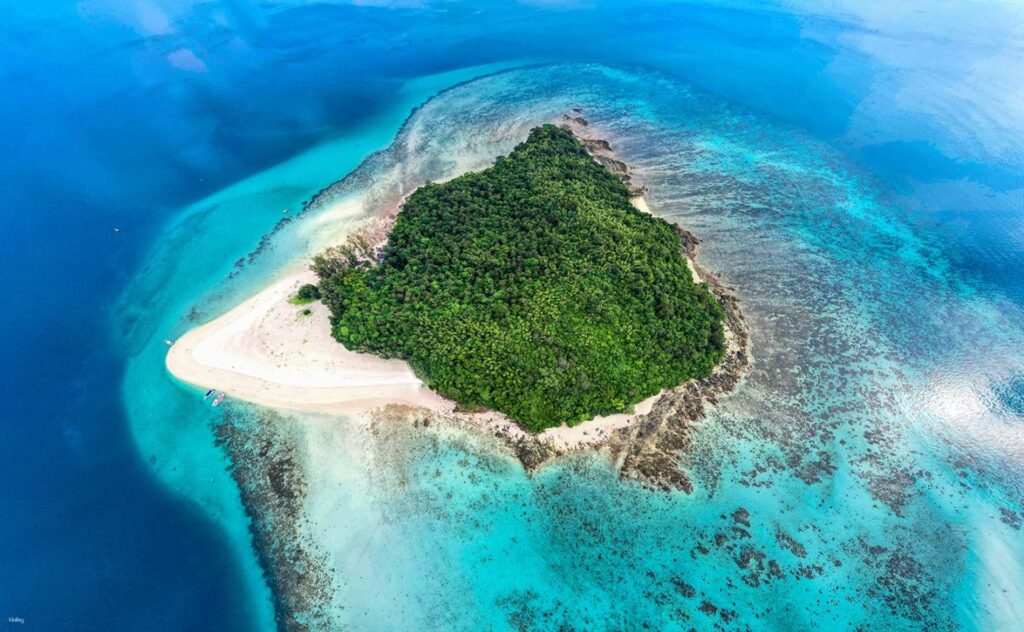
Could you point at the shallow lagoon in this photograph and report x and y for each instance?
(844, 481)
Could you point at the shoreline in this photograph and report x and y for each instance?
(272, 353)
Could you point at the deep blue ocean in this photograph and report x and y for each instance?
(148, 116)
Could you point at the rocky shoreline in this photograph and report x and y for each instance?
(650, 448)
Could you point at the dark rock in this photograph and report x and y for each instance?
(1010, 518)
(683, 588)
(741, 516)
(786, 541)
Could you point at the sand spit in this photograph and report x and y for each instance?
(272, 352)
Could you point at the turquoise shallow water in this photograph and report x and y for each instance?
(859, 177)
(866, 472)
(190, 277)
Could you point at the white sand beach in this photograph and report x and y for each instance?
(596, 430)
(267, 351)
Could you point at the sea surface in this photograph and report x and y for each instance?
(856, 173)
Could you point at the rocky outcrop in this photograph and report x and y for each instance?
(602, 152)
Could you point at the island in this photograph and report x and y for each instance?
(533, 288)
(537, 306)
(538, 300)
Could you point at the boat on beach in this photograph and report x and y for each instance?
(208, 394)
(219, 399)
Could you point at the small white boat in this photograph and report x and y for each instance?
(208, 393)
(219, 399)
(168, 342)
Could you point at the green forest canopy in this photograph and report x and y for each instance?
(533, 287)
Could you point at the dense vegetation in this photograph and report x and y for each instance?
(532, 287)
